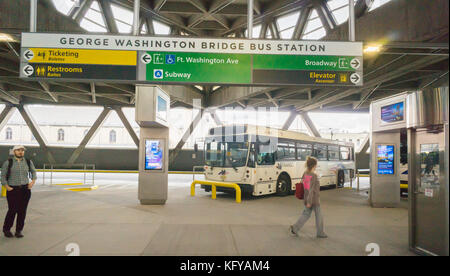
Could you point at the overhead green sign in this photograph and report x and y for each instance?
(188, 60)
(248, 69)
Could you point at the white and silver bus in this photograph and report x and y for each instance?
(265, 160)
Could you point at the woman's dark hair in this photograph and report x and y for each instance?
(310, 163)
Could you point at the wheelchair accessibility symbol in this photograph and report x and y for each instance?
(170, 59)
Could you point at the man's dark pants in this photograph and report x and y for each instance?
(18, 200)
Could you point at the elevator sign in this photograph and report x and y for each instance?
(183, 60)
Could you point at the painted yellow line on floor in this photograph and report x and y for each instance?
(68, 184)
(82, 189)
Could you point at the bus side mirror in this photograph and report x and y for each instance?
(195, 147)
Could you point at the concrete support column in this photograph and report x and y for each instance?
(127, 125)
(36, 133)
(95, 127)
(309, 124)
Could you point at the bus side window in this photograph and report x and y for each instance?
(345, 153)
(333, 153)
(266, 155)
(320, 152)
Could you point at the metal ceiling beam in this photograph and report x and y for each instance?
(309, 124)
(127, 125)
(94, 98)
(108, 16)
(301, 23)
(34, 128)
(46, 88)
(174, 153)
(7, 96)
(80, 13)
(6, 114)
(95, 127)
(325, 15)
(290, 120)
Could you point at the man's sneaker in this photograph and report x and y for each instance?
(292, 232)
(19, 235)
(322, 236)
(8, 234)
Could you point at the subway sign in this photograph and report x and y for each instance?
(182, 60)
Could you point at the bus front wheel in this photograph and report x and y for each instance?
(283, 185)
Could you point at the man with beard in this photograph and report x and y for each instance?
(16, 174)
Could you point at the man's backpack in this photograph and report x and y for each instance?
(10, 163)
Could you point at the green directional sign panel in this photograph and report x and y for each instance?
(198, 67)
(248, 69)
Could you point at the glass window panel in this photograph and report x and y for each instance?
(287, 34)
(287, 21)
(123, 28)
(345, 153)
(334, 4)
(95, 16)
(161, 28)
(64, 6)
(91, 26)
(318, 34)
(341, 15)
(302, 153)
(320, 152)
(378, 3)
(122, 14)
(333, 154)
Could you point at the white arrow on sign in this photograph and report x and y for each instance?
(28, 54)
(355, 78)
(28, 70)
(146, 58)
(355, 63)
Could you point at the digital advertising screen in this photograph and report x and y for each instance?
(385, 159)
(161, 110)
(154, 154)
(392, 113)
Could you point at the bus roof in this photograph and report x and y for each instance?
(274, 132)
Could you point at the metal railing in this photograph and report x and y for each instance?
(214, 190)
(80, 168)
(194, 169)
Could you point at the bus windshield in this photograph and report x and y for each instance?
(226, 154)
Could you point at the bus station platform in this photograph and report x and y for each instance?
(110, 221)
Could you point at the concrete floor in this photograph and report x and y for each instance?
(110, 221)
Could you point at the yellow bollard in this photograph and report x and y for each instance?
(3, 191)
(214, 191)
